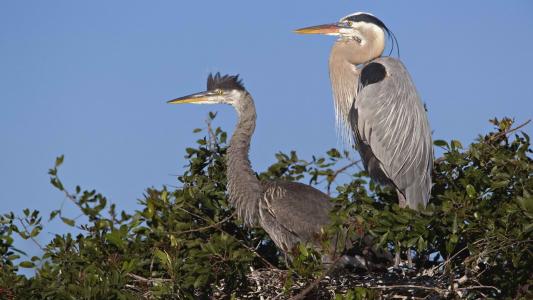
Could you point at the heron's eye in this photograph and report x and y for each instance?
(349, 23)
(219, 91)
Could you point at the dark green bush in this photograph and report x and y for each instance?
(186, 243)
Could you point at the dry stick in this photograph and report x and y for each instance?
(477, 287)
(410, 286)
(302, 294)
(444, 263)
(147, 280)
(486, 252)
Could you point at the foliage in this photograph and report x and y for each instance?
(185, 242)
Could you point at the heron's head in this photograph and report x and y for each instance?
(362, 31)
(227, 89)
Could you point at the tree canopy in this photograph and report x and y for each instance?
(473, 240)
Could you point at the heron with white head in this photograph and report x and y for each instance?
(377, 107)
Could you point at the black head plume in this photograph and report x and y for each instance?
(225, 82)
(368, 18)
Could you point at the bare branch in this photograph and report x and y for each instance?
(506, 132)
(339, 171)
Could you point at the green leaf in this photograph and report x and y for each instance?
(59, 160)
(303, 250)
(456, 144)
(53, 214)
(223, 137)
(57, 183)
(440, 143)
(164, 258)
(454, 225)
(383, 239)
(454, 239)
(27, 264)
(526, 204)
(422, 244)
(470, 191)
(116, 238)
(35, 231)
(68, 221)
(499, 184)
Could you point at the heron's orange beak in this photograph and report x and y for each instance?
(194, 98)
(327, 29)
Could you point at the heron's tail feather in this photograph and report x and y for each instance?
(416, 196)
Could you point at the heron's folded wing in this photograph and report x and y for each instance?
(296, 209)
(392, 121)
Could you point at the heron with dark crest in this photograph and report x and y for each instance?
(377, 107)
(290, 212)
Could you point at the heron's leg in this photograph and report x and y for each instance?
(397, 259)
(402, 202)
(409, 258)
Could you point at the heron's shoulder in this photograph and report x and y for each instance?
(392, 64)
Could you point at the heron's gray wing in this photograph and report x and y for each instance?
(392, 130)
(292, 212)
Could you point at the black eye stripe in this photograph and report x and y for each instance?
(366, 18)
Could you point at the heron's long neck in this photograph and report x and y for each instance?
(243, 186)
(344, 77)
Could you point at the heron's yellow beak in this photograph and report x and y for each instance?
(193, 98)
(328, 29)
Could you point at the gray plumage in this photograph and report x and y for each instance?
(392, 133)
(290, 212)
(378, 109)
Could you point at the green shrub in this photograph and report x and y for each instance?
(186, 243)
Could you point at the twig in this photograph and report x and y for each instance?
(506, 132)
(477, 287)
(29, 234)
(447, 261)
(147, 280)
(212, 136)
(195, 215)
(337, 172)
(251, 250)
(301, 295)
(410, 286)
(239, 241)
(207, 227)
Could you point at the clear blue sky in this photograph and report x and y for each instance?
(89, 79)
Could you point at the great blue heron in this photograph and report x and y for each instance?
(377, 107)
(290, 212)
